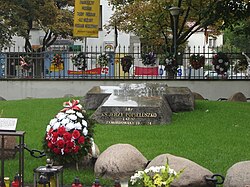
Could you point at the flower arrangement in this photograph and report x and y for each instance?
(25, 62)
(171, 65)
(149, 59)
(103, 60)
(69, 135)
(126, 63)
(221, 63)
(155, 176)
(57, 60)
(197, 61)
(79, 61)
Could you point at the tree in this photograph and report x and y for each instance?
(51, 15)
(151, 19)
(11, 24)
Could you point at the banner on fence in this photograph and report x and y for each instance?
(86, 18)
(141, 69)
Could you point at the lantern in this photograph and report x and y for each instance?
(48, 176)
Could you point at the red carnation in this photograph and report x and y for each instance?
(69, 144)
(67, 150)
(55, 134)
(50, 145)
(81, 140)
(76, 134)
(56, 150)
(76, 149)
(60, 143)
(67, 136)
(61, 130)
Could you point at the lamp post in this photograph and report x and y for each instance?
(175, 12)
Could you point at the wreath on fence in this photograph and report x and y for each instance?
(103, 60)
(79, 61)
(149, 59)
(197, 61)
(57, 61)
(126, 63)
(171, 65)
(221, 63)
(25, 62)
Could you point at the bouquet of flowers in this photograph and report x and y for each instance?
(197, 61)
(57, 60)
(126, 63)
(79, 61)
(221, 63)
(160, 176)
(25, 62)
(103, 60)
(68, 136)
(149, 59)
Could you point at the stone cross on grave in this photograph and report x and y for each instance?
(137, 104)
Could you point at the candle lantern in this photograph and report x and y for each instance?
(48, 176)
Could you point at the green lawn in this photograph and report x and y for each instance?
(216, 135)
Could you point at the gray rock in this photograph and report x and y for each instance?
(193, 174)
(2, 99)
(238, 175)
(180, 99)
(198, 96)
(68, 96)
(95, 97)
(119, 161)
(238, 97)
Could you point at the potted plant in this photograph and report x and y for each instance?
(221, 63)
(126, 63)
(197, 61)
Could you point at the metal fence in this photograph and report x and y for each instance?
(124, 63)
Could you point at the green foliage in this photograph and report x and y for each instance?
(152, 20)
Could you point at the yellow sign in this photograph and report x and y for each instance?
(86, 18)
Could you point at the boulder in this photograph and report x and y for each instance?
(180, 99)
(68, 96)
(238, 97)
(238, 175)
(119, 161)
(2, 99)
(198, 96)
(193, 174)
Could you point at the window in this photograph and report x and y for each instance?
(100, 19)
(212, 42)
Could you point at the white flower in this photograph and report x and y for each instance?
(78, 126)
(85, 131)
(53, 121)
(61, 116)
(70, 126)
(65, 121)
(70, 111)
(226, 63)
(56, 125)
(84, 123)
(72, 117)
(217, 67)
(79, 114)
(48, 128)
(221, 69)
(220, 60)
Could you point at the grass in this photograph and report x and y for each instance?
(215, 135)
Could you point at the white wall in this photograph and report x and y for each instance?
(18, 89)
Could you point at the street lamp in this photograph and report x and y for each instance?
(175, 12)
